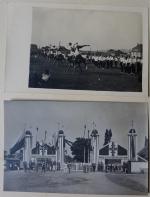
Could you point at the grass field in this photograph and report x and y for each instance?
(91, 79)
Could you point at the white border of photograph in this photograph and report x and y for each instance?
(149, 52)
(19, 85)
(2, 43)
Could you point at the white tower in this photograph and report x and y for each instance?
(27, 146)
(95, 146)
(132, 144)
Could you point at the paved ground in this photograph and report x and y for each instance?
(91, 79)
(76, 182)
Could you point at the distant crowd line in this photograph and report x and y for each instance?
(127, 64)
(69, 167)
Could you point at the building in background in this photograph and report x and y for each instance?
(137, 51)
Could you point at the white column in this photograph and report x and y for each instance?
(129, 148)
(57, 154)
(95, 143)
(28, 148)
(96, 140)
(62, 158)
(97, 149)
(94, 146)
(61, 150)
(135, 146)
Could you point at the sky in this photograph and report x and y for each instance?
(102, 30)
(45, 115)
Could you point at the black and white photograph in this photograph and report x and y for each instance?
(76, 147)
(81, 49)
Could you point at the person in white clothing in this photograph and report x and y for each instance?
(77, 48)
(71, 50)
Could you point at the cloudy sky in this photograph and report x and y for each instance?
(74, 115)
(100, 29)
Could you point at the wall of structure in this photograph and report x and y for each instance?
(137, 167)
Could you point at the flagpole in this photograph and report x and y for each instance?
(36, 133)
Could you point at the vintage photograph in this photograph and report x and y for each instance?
(76, 147)
(86, 50)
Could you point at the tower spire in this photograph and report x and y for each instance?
(58, 126)
(132, 124)
(94, 125)
(84, 131)
(37, 134)
(45, 135)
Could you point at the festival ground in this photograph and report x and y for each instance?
(75, 182)
(91, 79)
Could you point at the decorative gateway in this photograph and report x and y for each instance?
(113, 154)
(115, 157)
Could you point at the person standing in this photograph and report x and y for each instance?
(121, 64)
(25, 166)
(43, 167)
(69, 167)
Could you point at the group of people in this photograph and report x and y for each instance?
(14, 166)
(68, 167)
(72, 57)
(126, 64)
(42, 166)
(53, 50)
(113, 168)
(46, 166)
(125, 168)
